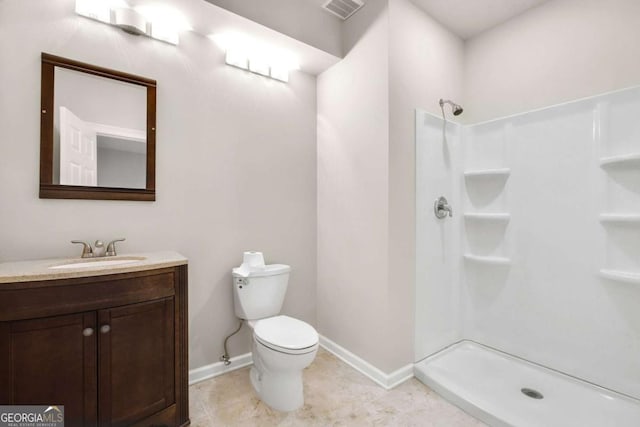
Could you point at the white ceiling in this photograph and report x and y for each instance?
(468, 18)
(464, 17)
(207, 19)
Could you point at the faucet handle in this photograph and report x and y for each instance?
(441, 208)
(87, 251)
(111, 247)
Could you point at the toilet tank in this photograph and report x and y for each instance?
(259, 292)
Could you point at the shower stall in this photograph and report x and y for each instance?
(528, 296)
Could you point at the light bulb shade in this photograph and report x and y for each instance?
(164, 32)
(130, 21)
(259, 66)
(280, 73)
(94, 9)
(237, 58)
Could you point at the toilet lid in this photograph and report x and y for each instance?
(286, 332)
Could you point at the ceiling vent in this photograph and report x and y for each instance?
(343, 8)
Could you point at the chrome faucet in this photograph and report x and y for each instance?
(88, 251)
(441, 208)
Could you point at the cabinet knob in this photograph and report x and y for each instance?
(105, 329)
(87, 332)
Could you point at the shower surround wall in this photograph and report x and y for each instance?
(404, 61)
(437, 300)
(549, 212)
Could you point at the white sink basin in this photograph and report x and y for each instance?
(98, 263)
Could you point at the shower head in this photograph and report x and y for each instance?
(457, 109)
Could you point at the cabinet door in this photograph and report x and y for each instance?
(135, 361)
(51, 361)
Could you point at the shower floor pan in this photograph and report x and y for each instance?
(503, 390)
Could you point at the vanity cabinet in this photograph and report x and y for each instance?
(136, 365)
(49, 361)
(112, 349)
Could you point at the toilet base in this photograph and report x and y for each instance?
(277, 377)
(282, 392)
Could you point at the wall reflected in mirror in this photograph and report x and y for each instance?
(100, 137)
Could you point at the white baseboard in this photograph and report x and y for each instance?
(388, 381)
(219, 368)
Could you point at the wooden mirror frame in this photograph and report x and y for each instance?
(49, 190)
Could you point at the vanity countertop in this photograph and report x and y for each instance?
(37, 270)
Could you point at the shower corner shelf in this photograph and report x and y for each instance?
(492, 260)
(615, 218)
(502, 172)
(502, 216)
(620, 160)
(621, 276)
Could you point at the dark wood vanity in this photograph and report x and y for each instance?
(111, 348)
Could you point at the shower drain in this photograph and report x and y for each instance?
(534, 394)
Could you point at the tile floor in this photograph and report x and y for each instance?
(335, 395)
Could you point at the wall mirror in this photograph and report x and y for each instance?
(97, 132)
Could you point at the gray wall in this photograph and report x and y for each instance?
(117, 168)
(236, 164)
(398, 58)
(560, 51)
(353, 154)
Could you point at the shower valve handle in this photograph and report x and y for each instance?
(441, 208)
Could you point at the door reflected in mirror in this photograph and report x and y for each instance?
(97, 133)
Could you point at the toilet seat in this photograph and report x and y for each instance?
(286, 350)
(286, 335)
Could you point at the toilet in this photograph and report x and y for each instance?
(281, 345)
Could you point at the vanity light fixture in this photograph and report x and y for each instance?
(159, 23)
(247, 54)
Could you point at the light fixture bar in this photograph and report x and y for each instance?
(246, 53)
(237, 58)
(119, 14)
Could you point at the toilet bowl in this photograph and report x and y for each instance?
(281, 345)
